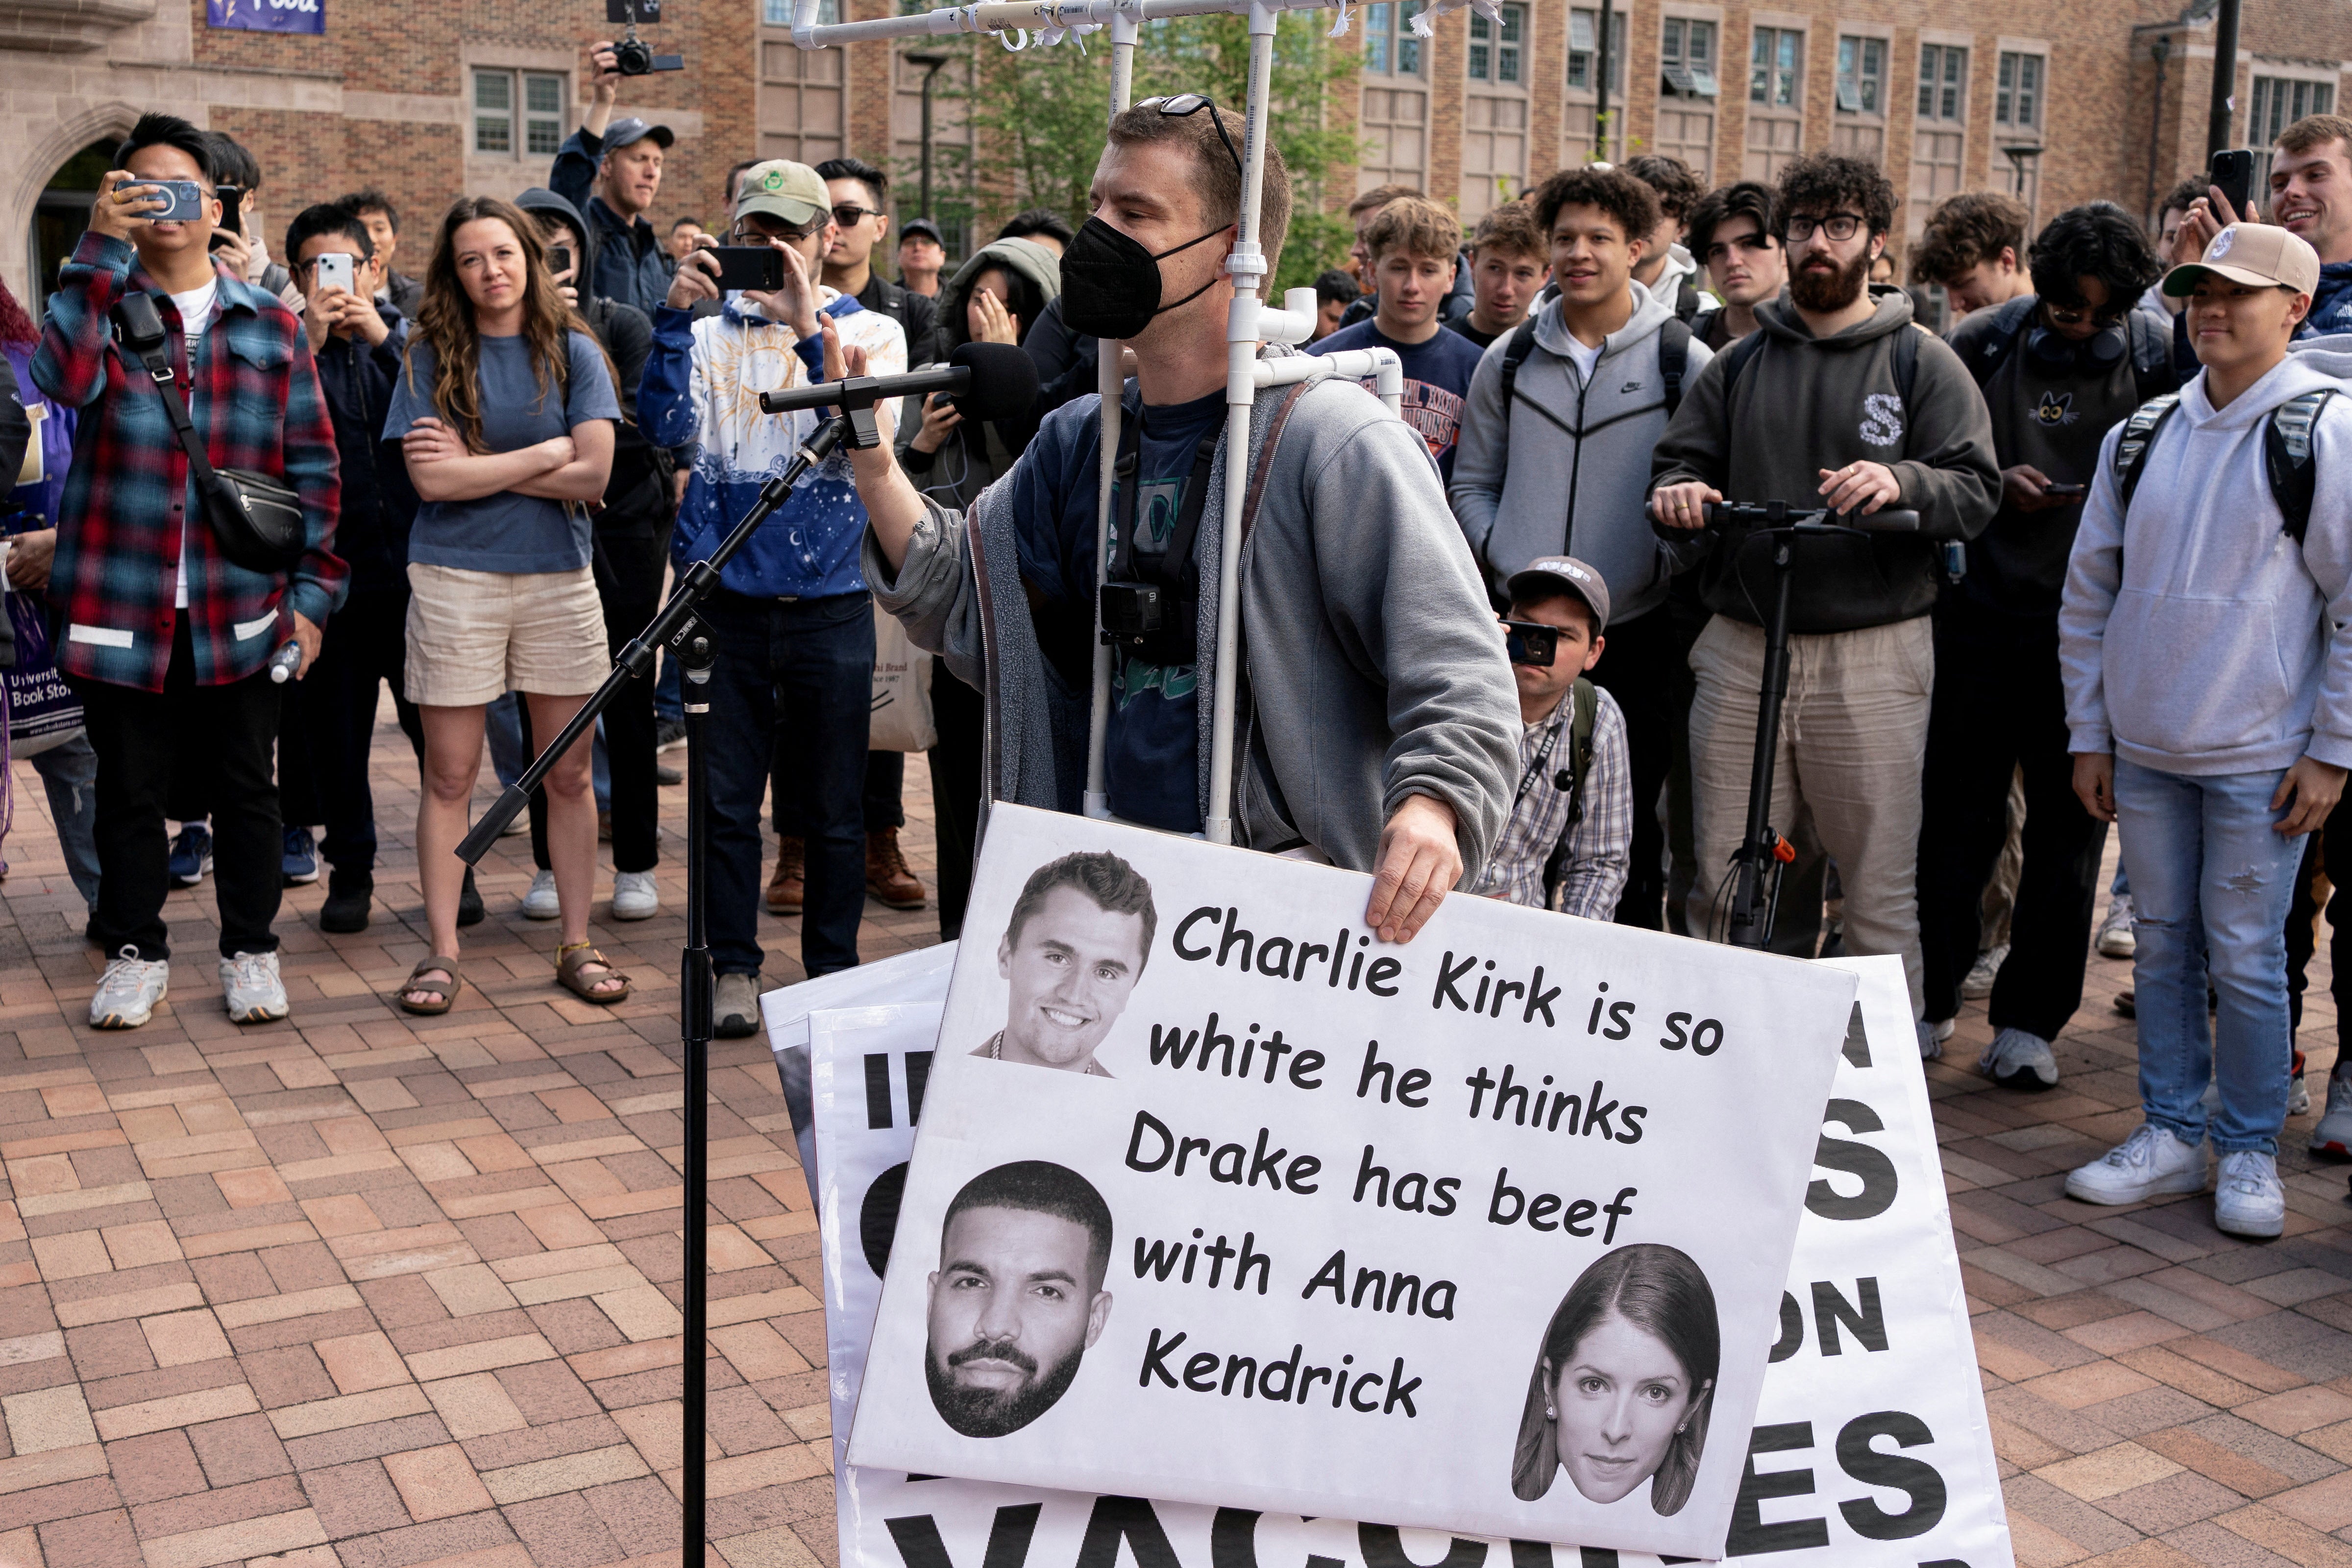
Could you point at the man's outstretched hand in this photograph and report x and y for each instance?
(1419, 864)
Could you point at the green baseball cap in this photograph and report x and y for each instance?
(785, 190)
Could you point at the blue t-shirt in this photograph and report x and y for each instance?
(506, 532)
(1151, 745)
(1436, 381)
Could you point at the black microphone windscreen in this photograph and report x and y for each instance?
(1003, 380)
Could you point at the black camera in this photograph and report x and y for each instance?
(634, 56)
(1531, 642)
(1133, 614)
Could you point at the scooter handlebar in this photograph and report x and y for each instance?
(1774, 514)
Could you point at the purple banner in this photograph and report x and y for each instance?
(267, 16)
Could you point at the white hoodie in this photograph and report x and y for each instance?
(2204, 642)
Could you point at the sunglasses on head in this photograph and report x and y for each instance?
(1184, 103)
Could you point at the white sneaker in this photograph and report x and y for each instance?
(2151, 1162)
(1979, 985)
(635, 896)
(250, 985)
(2115, 938)
(2333, 1136)
(2247, 1198)
(1933, 1036)
(2298, 1097)
(2019, 1060)
(540, 904)
(127, 992)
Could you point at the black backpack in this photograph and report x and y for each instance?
(2151, 347)
(2287, 458)
(1673, 359)
(1580, 766)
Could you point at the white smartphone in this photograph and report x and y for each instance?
(335, 271)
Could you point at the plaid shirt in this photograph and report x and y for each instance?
(256, 404)
(1594, 876)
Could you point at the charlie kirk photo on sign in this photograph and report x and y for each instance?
(1072, 951)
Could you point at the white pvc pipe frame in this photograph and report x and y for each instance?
(1249, 321)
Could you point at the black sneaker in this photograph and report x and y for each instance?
(348, 901)
(469, 903)
(669, 732)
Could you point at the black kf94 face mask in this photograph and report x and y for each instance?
(1110, 284)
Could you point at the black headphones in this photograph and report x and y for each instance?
(2053, 353)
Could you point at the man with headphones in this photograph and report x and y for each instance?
(2058, 368)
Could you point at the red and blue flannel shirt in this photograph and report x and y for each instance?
(115, 579)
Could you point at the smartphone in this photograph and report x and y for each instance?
(1531, 642)
(2066, 492)
(334, 272)
(2233, 173)
(186, 199)
(760, 267)
(559, 259)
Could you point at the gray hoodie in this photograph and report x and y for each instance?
(1372, 668)
(2200, 643)
(1566, 469)
(1805, 403)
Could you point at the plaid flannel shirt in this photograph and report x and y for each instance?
(1598, 847)
(115, 580)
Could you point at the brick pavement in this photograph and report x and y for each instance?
(359, 1291)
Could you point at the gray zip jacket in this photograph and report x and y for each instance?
(1372, 668)
(1566, 469)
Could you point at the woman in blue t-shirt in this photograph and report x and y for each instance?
(504, 413)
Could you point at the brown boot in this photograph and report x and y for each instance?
(789, 886)
(887, 877)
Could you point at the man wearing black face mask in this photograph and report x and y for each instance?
(1380, 723)
(2059, 367)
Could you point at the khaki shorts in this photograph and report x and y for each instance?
(475, 635)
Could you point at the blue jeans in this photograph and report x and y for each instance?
(2211, 884)
(69, 777)
(802, 669)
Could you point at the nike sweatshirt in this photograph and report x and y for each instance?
(1566, 469)
(2196, 637)
(1804, 404)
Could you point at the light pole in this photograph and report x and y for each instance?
(930, 64)
(2225, 80)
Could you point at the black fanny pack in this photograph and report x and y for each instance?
(257, 519)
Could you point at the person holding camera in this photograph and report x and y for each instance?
(1381, 728)
(611, 171)
(1571, 822)
(791, 622)
(1837, 401)
(2059, 367)
(164, 637)
(504, 412)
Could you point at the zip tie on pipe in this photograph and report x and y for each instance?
(1010, 47)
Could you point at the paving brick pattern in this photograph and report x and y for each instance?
(359, 1291)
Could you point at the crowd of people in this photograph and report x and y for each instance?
(1514, 644)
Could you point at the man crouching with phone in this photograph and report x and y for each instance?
(1380, 729)
(791, 620)
(162, 638)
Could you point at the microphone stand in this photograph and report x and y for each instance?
(680, 629)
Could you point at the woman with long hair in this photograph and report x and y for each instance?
(1623, 1381)
(505, 414)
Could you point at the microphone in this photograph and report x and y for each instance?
(988, 381)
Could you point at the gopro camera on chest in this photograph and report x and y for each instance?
(1133, 614)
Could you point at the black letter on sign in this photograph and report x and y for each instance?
(877, 1090)
(1008, 1538)
(1876, 1171)
(1384, 1548)
(1128, 1517)
(1537, 1554)
(877, 1217)
(1857, 1043)
(1872, 1468)
(1792, 1325)
(1232, 1538)
(1750, 1533)
(1831, 1309)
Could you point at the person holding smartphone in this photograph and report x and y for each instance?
(504, 411)
(2059, 367)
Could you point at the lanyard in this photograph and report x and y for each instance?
(1535, 769)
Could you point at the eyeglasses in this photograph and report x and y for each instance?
(1184, 103)
(1837, 226)
(2076, 315)
(849, 214)
(743, 234)
(1752, 242)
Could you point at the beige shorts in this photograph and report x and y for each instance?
(475, 635)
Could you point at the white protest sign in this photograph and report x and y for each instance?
(1877, 1350)
(1481, 1235)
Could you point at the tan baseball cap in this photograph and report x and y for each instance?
(785, 190)
(2259, 255)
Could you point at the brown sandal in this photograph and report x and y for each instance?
(443, 992)
(573, 957)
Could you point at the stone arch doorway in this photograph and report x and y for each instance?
(61, 212)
